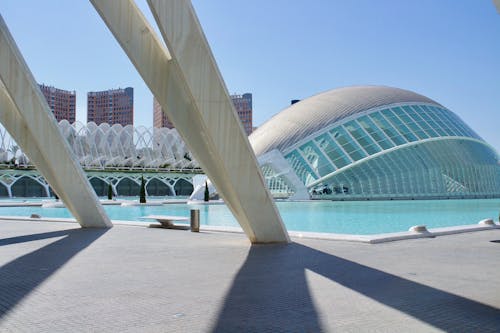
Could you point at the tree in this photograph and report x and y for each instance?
(142, 193)
(110, 192)
(206, 197)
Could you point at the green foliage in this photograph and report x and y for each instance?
(110, 192)
(206, 197)
(142, 193)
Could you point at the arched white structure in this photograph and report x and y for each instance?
(22, 183)
(26, 115)
(104, 147)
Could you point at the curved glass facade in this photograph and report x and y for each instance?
(434, 169)
(399, 150)
(370, 133)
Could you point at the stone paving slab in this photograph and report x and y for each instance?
(56, 277)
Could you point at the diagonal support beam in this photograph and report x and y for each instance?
(25, 114)
(238, 177)
(190, 90)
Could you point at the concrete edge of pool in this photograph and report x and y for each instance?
(370, 239)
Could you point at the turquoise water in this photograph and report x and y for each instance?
(355, 217)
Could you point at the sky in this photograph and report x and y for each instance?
(281, 50)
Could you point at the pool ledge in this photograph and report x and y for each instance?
(370, 239)
(395, 236)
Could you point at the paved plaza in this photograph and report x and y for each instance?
(57, 277)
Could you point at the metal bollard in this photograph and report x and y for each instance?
(195, 220)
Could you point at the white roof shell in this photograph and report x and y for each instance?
(317, 112)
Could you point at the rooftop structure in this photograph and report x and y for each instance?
(115, 106)
(61, 102)
(371, 142)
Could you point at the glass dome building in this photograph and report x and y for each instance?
(374, 142)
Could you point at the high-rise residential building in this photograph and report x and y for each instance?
(61, 102)
(159, 118)
(115, 106)
(243, 105)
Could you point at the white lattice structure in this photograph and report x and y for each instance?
(113, 147)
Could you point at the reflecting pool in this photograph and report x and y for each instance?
(343, 217)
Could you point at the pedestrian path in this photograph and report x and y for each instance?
(56, 277)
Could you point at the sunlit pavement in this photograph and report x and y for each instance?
(58, 277)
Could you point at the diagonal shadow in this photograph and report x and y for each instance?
(33, 237)
(24, 274)
(270, 293)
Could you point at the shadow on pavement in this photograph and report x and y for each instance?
(270, 293)
(22, 275)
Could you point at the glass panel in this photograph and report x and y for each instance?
(465, 127)
(434, 115)
(432, 128)
(276, 183)
(316, 159)
(459, 125)
(300, 167)
(415, 122)
(444, 115)
(332, 150)
(418, 115)
(387, 128)
(346, 142)
(375, 132)
(364, 140)
(402, 128)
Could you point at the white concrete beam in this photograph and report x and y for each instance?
(277, 161)
(27, 117)
(191, 92)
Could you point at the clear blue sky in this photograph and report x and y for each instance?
(280, 50)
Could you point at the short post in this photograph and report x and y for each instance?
(195, 220)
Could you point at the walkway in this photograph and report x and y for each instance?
(58, 277)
